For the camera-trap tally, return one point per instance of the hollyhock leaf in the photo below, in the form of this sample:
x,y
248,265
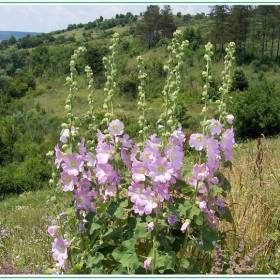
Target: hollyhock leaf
x,y
94,226
216,189
199,220
165,261
227,215
126,255
102,207
209,236
185,207
141,230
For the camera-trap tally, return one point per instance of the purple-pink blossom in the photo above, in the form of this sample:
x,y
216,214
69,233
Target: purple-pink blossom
x,y
104,152
151,226
172,219
115,128
147,263
52,230
68,181
161,170
215,127
230,118
185,226
148,201
73,164
59,249
197,141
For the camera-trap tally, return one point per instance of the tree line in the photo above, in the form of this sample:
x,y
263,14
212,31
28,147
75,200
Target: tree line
x,y
254,29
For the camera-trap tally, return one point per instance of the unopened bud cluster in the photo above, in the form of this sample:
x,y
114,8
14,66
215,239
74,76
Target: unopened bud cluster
x,y
171,88
110,85
142,105
226,82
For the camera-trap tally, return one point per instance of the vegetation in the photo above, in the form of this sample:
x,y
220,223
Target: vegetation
x,y
33,70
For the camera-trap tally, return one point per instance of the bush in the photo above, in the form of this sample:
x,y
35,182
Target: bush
x,y
256,111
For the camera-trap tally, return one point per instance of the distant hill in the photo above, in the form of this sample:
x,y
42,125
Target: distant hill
x,y
5,35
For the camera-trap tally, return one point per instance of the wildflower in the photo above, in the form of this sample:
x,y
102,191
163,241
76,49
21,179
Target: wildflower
x,y
161,191
230,118
161,170
82,199
172,219
197,141
135,190
82,148
201,171
185,226
115,128
126,142
104,152
73,164
203,206
139,171
65,134
151,226
106,173
52,230
81,228
227,139
110,190
215,127
68,181
178,134
90,158
147,200
147,263
58,156
59,249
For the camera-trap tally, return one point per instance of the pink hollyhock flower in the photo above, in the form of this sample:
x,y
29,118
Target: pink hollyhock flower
x,y
212,148
147,200
126,142
175,156
82,148
110,190
115,128
161,190
161,170
151,226
85,184
230,118
178,134
59,249
58,156
201,171
227,139
172,219
197,141
90,158
215,127
194,183
148,156
147,263
138,209
185,226
139,171
82,199
73,164
66,133
203,207
100,136
125,158
104,153
135,190
68,181
105,173
52,230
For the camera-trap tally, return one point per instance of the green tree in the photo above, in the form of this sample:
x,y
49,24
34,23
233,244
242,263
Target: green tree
x,y
150,28
167,24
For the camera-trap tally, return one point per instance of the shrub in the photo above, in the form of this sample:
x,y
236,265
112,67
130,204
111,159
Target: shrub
x,y
256,111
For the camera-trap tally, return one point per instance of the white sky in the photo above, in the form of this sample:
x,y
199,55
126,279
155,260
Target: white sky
x,y
51,17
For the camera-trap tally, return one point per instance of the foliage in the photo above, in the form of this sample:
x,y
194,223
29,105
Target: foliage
x,y
257,111
239,81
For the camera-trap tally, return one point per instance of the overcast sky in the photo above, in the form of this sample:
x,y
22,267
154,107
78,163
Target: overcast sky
x,y
52,17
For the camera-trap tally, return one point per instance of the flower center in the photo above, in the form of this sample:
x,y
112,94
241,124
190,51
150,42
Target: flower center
x,y
161,169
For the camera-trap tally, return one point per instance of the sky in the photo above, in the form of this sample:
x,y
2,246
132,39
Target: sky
x,y
51,17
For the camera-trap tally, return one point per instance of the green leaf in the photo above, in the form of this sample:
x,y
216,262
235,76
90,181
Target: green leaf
x,y
94,226
117,208
126,255
165,261
94,263
227,215
141,230
209,237
103,207
216,189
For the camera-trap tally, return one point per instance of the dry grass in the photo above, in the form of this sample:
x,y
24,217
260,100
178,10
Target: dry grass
x,y
255,192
